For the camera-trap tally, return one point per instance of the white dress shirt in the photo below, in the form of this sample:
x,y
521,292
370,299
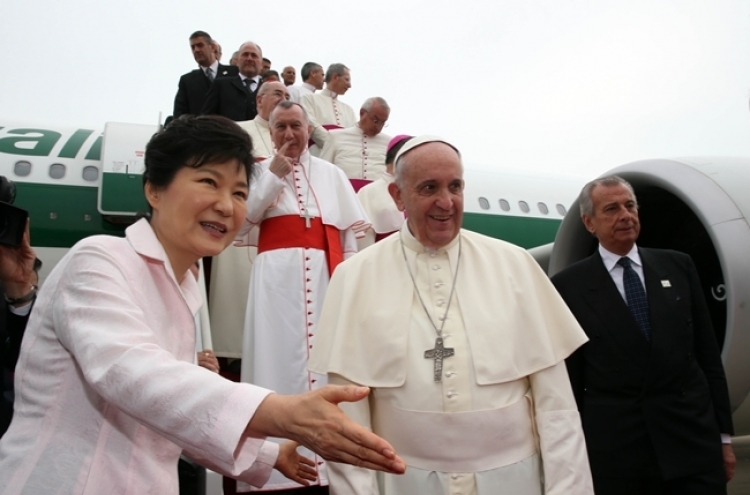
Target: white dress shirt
x,y
610,260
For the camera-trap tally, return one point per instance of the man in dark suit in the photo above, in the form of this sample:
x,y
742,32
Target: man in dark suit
x,y
234,97
649,384
194,86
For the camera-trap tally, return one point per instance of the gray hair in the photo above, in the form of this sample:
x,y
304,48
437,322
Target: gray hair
x,y
265,87
286,105
337,69
369,102
586,204
308,68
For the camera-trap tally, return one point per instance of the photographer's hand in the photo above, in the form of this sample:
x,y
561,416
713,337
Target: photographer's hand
x,y
17,267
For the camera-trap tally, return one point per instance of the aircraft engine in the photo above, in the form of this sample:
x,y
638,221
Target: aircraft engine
x,y
700,207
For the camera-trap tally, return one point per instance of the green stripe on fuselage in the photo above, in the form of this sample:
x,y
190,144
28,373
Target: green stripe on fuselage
x,y
62,215
527,232
123,193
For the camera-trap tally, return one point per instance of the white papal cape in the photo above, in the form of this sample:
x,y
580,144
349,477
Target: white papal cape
x,y
503,418
360,156
325,109
287,285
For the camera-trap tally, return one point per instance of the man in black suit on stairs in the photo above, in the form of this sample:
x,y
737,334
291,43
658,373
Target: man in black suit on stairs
x,y
649,384
234,97
193,86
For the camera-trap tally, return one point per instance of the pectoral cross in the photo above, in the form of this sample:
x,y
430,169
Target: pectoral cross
x,y
438,354
308,217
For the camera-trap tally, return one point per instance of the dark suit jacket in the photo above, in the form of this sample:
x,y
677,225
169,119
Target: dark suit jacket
x,y
666,399
193,88
229,98
11,332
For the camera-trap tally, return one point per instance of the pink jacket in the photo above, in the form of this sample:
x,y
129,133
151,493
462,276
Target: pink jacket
x,y
107,392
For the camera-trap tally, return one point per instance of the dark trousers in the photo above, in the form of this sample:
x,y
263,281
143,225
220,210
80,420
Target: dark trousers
x,y
709,483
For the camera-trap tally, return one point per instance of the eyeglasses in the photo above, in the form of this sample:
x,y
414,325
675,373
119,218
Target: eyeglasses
x,y
377,121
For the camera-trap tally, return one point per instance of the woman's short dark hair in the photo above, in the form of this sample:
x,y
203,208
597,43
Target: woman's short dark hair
x,y
191,141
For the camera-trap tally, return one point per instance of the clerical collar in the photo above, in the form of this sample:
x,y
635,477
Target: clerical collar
x,y
261,120
328,92
303,158
363,132
610,259
309,86
413,244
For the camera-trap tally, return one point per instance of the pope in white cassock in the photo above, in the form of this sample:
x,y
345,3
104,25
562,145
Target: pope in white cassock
x,y
304,217
360,150
230,270
462,339
324,108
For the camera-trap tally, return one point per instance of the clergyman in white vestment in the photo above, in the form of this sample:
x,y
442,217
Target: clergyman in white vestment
x,y
462,339
269,95
360,150
304,217
313,77
324,108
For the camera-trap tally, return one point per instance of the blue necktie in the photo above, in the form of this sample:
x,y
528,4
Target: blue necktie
x,y
635,295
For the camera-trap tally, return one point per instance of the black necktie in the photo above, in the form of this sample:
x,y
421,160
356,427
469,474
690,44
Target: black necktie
x,y
635,295
248,82
210,74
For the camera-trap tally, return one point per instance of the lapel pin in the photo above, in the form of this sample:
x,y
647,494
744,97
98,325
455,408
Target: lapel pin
x,y
666,284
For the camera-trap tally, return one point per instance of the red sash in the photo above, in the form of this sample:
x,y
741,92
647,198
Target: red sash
x,y
289,231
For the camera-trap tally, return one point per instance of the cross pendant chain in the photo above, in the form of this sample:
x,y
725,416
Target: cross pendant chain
x,y
438,353
305,209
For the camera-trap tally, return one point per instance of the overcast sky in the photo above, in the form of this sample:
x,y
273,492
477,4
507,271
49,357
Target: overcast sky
x,y
570,86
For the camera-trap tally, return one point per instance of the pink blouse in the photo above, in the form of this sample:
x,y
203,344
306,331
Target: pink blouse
x,y
107,392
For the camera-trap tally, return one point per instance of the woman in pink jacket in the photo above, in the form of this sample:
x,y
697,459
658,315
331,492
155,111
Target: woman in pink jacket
x,y
107,391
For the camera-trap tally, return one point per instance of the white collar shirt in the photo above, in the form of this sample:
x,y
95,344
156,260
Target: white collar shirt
x,y
615,271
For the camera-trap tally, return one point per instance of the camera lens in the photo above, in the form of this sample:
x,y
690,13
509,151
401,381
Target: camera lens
x,y
7,190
